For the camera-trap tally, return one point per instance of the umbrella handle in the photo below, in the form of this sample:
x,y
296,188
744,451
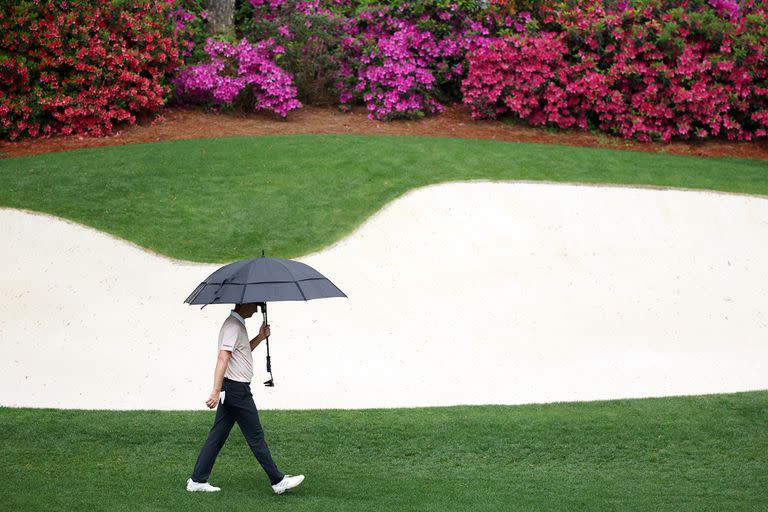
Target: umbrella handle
x,y
271,382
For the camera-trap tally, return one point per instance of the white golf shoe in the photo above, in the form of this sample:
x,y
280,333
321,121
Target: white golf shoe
x,y
288,482
202,487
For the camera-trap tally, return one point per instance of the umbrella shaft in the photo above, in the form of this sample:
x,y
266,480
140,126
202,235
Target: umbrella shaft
x,y
269,359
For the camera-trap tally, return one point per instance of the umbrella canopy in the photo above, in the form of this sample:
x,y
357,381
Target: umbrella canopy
x,y
263,280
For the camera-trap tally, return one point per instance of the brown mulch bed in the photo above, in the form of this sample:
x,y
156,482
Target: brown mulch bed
x,y
190,123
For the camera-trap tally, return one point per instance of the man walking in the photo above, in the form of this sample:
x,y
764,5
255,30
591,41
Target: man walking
x,y
232,393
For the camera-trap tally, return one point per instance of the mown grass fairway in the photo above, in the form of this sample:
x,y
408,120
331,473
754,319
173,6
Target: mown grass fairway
x,y
687,453
218,200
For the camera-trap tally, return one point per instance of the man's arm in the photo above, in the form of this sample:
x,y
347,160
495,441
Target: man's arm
x,y
263,334
218,377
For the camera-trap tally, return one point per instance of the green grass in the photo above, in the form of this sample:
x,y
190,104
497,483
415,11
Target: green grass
x,y
218,200
684,453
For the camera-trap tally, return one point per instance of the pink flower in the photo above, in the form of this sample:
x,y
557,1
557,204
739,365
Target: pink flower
x,y
272,87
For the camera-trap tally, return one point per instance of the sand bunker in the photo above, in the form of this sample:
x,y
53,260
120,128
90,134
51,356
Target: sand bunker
x,y
459,293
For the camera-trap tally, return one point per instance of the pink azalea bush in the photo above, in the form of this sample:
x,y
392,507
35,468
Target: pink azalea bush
x,y
527,75
235,68
728,8
393,72
402,61
647,72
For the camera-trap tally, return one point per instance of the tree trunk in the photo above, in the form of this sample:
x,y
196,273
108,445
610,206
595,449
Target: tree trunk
x,y
221,15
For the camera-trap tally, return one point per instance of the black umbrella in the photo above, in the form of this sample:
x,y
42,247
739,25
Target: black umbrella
x,y
261,280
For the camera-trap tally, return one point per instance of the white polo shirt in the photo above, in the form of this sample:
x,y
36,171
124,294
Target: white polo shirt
x,y
233,337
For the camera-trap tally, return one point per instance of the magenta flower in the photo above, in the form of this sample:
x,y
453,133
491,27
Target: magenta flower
x,y
272,87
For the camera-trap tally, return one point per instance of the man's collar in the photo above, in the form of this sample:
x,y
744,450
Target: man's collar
x,y
237,315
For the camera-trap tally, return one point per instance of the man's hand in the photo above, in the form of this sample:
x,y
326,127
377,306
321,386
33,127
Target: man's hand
x,y
264,332
213,399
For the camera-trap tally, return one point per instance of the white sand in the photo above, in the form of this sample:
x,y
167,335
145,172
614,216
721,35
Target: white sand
x,y
460,293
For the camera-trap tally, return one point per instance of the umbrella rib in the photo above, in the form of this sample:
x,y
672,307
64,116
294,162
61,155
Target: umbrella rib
x,y
300,290
286,268
194,293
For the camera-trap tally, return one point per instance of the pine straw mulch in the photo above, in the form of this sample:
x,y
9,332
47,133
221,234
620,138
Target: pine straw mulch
x,y
191,123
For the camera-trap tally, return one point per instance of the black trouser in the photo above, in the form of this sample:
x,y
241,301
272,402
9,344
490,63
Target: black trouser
x,y
238,407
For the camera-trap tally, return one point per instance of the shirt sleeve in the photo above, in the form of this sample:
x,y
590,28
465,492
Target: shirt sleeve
x,y
228,337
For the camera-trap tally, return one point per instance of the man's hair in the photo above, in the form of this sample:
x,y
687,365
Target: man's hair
x,y
246,304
